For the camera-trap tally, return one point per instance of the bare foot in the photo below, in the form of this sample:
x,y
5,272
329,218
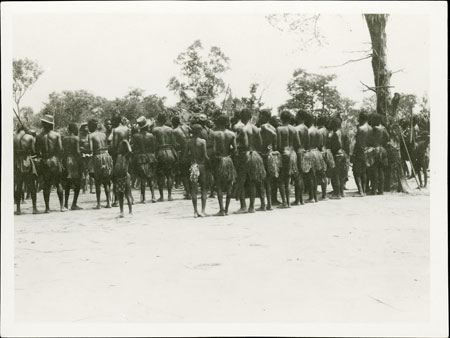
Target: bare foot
x,y
203,214
47,211
170,198
295,203
220,213
261,208
143,202
196,215
76,207
108,206
161,199
35,211
251,210
153,200
63,209
283,206
269,208
97,207
121,215
241,211
18,213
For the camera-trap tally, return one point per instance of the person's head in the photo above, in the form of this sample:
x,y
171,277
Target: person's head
x,y
285,117
264,116
108,125
73,129
335,124
375,120
275,121
161,118
175,121
322,121
301,116
21,128
210,124
48,122
84,128
196,130
363,117
92,125
222,122
202,120
246,115
115,120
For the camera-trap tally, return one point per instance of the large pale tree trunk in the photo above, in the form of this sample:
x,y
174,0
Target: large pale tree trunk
x,y
382,78
377,29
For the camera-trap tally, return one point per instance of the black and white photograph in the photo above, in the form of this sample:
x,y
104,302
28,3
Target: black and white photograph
x,y
224,168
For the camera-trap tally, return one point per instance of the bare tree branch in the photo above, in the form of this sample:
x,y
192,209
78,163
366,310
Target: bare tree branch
x,y
349,61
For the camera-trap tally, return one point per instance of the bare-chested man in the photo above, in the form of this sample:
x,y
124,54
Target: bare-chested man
x,y
86,158
73,166
102,163
182,134
144,157
196,152
359,153
322,126
207,136
302,131
49,147
335,145
270,155
25,171
121,175
224,144
314,164
165,155
119,133
287,142
275,122
250,166
379,139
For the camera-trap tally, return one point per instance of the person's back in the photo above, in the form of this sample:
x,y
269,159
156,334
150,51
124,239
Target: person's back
x,y
71,145
315,138
120,133
219,143
163,136
362,137
323,131
181,136
303,134
284,138
268,137
23,143
98,142
48,143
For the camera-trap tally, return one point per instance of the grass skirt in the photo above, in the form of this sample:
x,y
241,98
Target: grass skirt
x,y
289,163
102,166
145,165
73,167
225,171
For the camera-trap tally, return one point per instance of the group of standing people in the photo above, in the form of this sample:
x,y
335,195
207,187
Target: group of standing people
x,y
234,158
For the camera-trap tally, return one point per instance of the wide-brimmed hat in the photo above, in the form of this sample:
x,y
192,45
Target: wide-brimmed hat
x,y
48,119
142,122
202,117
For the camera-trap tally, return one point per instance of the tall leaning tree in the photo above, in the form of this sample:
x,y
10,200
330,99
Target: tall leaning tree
x,y
382,76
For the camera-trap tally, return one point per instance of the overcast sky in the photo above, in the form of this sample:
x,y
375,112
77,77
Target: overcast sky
x,y
107,54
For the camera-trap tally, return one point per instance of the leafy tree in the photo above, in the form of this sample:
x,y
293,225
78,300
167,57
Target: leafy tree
x,y
200,83
314,93
25,73
73,106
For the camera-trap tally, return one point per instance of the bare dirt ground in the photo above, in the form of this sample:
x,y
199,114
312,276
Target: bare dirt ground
x,y
356,259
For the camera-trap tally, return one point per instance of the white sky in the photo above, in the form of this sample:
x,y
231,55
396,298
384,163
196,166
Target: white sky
x,y
107,54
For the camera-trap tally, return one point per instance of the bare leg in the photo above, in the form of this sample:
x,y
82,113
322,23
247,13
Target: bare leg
x,y
229,195
76,193
169,186
32,185
59,192
129,201
46,192
204,191
268,187
161,187
18,195
120,196
194,198
380,180
251,207
220,199
67,193
106,186
98,191
263,196
143,181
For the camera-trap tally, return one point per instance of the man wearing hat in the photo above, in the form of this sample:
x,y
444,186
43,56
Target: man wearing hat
x,y
49,147
24,166
144,156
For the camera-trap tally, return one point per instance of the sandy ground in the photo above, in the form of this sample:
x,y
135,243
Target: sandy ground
x,y
356,259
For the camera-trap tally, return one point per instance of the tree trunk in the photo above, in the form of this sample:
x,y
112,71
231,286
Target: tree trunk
x,y
377,29
382,76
